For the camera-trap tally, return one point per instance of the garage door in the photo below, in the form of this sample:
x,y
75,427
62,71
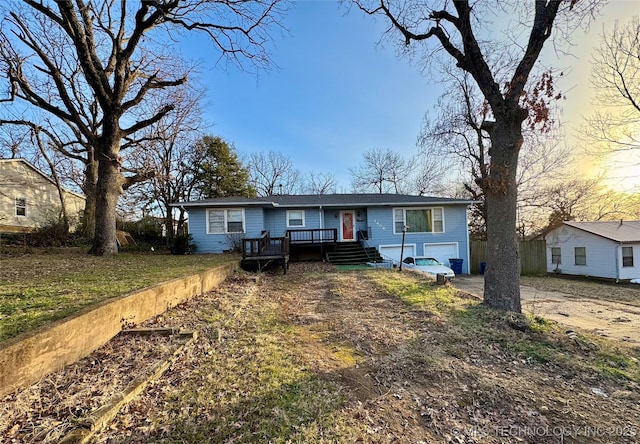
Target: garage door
x,y
393,251
442,252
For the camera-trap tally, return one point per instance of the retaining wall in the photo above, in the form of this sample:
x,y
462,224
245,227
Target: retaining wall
x,y
24,360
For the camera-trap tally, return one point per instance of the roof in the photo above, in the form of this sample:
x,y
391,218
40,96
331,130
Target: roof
x,y
325,200
37,170
627,231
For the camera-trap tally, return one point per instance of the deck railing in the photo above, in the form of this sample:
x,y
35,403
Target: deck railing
x,y
265,245
313,236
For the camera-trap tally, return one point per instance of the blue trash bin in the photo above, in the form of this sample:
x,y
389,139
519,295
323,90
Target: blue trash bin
x,y
456,265
483,267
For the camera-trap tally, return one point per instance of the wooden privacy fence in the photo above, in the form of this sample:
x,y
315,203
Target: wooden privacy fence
x,y
533,256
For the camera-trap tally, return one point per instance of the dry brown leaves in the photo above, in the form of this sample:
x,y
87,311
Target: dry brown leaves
x,y
408,377
48,410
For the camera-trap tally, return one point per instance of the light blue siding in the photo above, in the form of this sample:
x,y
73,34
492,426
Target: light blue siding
x,y
219,243
455,231
276,220
332,219
379,221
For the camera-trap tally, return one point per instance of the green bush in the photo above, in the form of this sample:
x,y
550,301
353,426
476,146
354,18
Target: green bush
x,y
183,244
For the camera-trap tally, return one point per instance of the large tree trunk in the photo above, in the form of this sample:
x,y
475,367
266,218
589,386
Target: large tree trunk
x,y
168,221
89,188
180,225
108,190
502,278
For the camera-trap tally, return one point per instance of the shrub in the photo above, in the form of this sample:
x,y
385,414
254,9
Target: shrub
x,y
183,244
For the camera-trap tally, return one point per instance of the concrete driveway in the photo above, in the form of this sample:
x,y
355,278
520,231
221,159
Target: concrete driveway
x,y
610,319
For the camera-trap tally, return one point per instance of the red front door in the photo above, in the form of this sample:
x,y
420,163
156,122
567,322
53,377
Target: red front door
x,y
347,230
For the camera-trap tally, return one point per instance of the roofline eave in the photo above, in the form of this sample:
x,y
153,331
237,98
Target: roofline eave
x,y
320,205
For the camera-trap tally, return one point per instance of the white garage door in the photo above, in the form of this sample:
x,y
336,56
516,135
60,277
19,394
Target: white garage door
x,y
442,252
393,251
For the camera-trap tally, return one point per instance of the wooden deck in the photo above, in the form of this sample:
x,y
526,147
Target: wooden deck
x,y
314,236
265,250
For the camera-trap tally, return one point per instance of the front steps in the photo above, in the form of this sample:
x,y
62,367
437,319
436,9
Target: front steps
x,y
352,253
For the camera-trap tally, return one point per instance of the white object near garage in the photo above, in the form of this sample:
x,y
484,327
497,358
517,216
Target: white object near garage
x,y
442,251
430,266
393,251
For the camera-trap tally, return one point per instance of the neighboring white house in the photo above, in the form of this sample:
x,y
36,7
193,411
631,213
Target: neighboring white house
x,y
29,198
607,249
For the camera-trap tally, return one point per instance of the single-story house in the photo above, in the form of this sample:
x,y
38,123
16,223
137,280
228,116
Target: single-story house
x,y
29,198
606,249
435,226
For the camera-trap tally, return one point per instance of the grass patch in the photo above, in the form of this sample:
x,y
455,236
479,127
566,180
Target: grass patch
x,y
618,362
38,289
320,355
530,339
422,293
255,387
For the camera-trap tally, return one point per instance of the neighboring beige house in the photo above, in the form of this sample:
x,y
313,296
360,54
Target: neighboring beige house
x,y
29,198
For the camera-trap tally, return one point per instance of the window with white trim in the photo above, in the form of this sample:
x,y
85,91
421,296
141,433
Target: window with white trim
x,y
418,220
627,256
223,221
295,218
581,255
21,206
556,255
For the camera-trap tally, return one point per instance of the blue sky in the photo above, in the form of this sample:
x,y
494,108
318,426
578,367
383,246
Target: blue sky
x,y
337,93
334,96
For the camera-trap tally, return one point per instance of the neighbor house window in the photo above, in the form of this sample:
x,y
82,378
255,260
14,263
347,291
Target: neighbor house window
x,y
419,220
581,255
225,221
295,218
627,256
21,206
556,256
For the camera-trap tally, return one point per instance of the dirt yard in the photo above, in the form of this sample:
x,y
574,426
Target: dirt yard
x,y
371,356
604,309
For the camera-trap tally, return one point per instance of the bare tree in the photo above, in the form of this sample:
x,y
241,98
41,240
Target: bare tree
x,y
381,171
39,146
455,137
170,150
113,44
12,139
503,76
69,142
273,173
428,176
320,183
585,199
615,77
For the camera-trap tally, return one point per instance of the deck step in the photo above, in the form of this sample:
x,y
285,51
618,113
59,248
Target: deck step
x,y
351,253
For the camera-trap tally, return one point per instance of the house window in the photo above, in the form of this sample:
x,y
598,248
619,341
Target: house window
x,y
21,206
225,221
556,256
581,255
418,220
295,218
627,256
